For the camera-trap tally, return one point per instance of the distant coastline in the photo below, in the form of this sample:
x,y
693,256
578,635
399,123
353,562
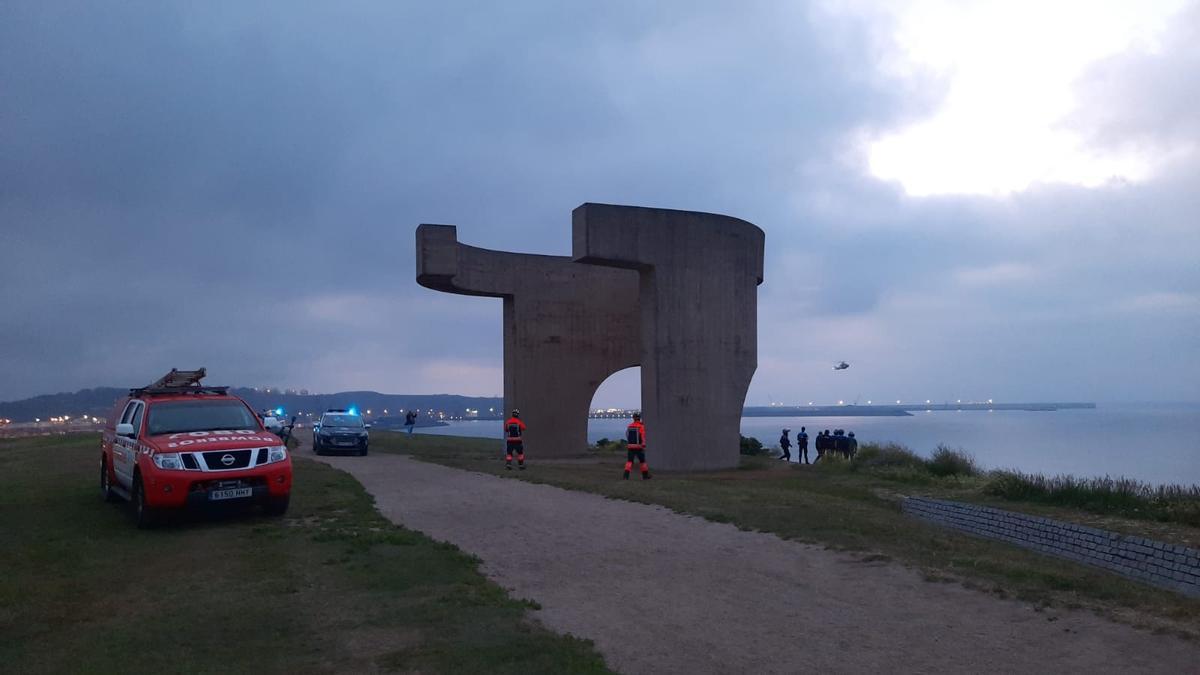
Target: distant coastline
x,y
901,410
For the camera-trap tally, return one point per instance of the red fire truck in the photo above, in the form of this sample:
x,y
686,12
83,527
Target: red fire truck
x,y
177,444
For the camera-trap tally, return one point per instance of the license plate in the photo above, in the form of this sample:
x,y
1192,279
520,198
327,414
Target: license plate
x,y
346,442
235,493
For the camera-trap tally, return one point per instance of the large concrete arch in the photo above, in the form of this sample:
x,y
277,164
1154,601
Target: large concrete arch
x,y
567,327
698,275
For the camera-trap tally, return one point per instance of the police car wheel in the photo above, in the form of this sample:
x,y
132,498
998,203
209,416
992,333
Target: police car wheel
x,y
363,451
316,447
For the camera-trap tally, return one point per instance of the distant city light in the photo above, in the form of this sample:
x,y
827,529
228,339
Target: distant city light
x,y
839,403
989,400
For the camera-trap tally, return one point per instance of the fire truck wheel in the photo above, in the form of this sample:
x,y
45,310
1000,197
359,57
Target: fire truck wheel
x,y
145,516
106,490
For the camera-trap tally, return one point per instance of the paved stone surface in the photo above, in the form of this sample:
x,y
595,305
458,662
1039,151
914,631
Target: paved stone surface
x,y
664,593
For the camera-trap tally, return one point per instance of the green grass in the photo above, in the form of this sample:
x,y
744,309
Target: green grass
x,y
853,507
331,587
1122,496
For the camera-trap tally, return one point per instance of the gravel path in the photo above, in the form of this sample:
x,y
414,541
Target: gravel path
x,y
664,593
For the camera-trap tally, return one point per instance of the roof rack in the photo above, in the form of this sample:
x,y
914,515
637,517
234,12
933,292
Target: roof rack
x,y
178,382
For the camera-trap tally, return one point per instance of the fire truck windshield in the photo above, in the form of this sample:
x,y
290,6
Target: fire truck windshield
x,y
172,417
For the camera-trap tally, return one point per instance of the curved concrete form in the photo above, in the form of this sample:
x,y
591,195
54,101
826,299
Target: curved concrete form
x,y
698,276
567,327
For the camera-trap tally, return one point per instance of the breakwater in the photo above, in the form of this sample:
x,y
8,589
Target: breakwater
x,y
900,410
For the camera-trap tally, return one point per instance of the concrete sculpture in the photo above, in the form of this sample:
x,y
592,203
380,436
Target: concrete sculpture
x,y
672,291
567,327
698,291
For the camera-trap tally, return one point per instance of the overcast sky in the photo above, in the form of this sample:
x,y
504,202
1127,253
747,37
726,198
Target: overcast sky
x,y
962,199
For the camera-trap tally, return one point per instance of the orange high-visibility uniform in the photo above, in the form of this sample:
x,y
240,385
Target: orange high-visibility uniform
x,y
513,441
638,441
635,437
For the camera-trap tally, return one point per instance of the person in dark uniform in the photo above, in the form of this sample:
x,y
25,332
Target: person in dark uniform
x,y
514,441
802,446
635,439
786,444
840,443
821,445
410,421
851,445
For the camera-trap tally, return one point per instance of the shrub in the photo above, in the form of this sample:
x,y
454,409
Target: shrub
x,y
871,455
1123,496
751,446
602,442
832,461
949,462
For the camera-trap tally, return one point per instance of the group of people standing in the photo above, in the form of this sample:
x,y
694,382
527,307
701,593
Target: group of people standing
x,y
635,440
839,441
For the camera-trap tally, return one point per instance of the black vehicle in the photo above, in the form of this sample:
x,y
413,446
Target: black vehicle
x,y
341,430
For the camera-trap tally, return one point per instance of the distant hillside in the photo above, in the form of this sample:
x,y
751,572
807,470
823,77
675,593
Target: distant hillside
x,y
99,402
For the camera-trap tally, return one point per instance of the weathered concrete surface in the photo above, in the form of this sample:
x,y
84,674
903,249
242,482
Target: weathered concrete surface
x,y
567,327
698,277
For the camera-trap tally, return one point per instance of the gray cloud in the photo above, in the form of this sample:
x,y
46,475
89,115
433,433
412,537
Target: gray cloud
x,y
237,187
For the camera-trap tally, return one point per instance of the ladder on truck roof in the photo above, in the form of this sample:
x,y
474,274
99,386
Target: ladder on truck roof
x,y
178,382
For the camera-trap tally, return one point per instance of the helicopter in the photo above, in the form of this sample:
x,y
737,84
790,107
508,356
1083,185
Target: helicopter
x,y
841,366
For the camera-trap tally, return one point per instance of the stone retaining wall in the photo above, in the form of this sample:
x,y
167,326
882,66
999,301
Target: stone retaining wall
x,y
1165,565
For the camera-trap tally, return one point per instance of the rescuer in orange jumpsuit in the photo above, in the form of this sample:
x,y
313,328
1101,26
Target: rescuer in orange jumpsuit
x,y
635,437
514,429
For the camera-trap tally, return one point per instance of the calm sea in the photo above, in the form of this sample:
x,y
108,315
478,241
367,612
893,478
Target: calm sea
x,y
1158,443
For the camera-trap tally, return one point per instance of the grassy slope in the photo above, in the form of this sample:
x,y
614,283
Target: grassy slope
x,y
851,511
331,587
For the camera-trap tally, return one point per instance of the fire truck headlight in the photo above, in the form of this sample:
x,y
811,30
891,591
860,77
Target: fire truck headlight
x,y
171,461
277,454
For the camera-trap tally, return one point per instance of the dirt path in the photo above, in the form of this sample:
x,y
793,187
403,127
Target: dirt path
x,y
664,593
